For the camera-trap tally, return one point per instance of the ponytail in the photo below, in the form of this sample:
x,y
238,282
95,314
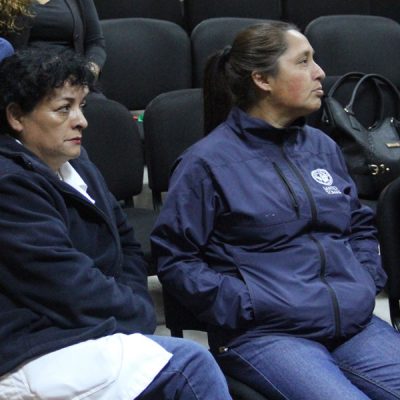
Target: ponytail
x,y
218,98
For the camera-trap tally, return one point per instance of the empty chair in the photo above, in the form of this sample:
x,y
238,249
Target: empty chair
x,y
113,143
301,12
196,11
388,221
170,10
145,57
172,122
212,35
365,43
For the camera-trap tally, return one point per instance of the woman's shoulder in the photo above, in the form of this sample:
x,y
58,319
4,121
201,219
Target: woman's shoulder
x,y
216,145
317,137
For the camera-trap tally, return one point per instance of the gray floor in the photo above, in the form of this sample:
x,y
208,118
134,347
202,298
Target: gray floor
x,y
144,200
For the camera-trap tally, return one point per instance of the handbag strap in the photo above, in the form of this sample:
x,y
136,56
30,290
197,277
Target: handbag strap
x,y
342,79
375,78
349,108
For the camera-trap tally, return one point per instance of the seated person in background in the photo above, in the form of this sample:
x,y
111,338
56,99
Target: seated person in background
x,y
61,24
6,48
263,237
75,313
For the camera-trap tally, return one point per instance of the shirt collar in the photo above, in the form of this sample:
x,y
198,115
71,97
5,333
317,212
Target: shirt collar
x,y
68,174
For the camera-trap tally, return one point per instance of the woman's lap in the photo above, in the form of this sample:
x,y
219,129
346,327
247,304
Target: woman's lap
x,y
286,367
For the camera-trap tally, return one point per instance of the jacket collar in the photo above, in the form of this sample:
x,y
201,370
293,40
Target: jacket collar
x,y
11,149
257,130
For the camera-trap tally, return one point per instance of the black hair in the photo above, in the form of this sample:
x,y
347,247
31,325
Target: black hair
x,y
228,72
28,76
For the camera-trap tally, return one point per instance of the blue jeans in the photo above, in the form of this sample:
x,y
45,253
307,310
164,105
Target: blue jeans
x,y
367,366
191,374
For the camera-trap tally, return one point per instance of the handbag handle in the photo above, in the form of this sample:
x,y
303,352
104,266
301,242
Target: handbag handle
x,y
345,77
349,108
374,78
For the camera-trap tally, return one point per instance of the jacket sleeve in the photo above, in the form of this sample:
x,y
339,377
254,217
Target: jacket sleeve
x,y
363,237
95,47
45,273
179,242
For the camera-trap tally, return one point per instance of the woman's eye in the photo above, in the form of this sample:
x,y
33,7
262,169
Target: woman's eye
x,y
64,108
82,105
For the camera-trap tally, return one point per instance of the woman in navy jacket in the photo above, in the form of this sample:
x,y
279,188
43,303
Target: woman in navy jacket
x,y
263,237
75,315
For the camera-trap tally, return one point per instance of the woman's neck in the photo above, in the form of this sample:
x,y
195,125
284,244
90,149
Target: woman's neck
x,y
268,114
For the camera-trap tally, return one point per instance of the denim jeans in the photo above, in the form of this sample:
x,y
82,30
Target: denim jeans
x,y
191,374
367,366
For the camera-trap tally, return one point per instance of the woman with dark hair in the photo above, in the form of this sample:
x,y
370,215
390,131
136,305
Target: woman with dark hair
x,y
262,235
76,319
60,24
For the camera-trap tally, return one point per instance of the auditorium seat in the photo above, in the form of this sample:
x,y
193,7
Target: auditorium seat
x,y
172,122
169,10
145,57
196,11
302,12
211,35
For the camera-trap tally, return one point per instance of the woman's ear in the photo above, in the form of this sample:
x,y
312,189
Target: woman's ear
x,y
261,81
14,117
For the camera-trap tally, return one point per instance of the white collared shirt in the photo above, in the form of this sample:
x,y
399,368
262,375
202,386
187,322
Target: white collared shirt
x,y
68,174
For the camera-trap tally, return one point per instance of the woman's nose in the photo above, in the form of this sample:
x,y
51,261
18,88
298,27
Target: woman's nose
x,y
80,119
319,72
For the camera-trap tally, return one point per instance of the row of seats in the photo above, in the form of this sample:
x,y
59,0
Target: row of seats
x,y
189,13
147,57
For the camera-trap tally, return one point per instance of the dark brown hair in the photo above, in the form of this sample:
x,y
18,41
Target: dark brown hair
x,y
227,77
10,11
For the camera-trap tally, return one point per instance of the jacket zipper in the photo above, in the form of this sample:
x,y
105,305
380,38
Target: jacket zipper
x,y
289,188
318,244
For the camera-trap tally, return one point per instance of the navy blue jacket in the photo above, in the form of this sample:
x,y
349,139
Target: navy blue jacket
x,y
262,231
69,270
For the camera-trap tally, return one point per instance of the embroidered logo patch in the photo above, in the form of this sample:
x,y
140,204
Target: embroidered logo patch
x,y
323,177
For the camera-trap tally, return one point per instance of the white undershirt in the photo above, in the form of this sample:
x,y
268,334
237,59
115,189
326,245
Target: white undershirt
x,y
68,174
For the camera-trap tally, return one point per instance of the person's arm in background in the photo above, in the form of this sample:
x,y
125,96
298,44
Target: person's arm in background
x,y
94,43
179,241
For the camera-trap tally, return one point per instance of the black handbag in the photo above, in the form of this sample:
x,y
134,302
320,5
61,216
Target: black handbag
x,y
372,154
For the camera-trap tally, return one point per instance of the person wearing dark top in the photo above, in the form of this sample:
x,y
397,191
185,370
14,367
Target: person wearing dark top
x,y
63,24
